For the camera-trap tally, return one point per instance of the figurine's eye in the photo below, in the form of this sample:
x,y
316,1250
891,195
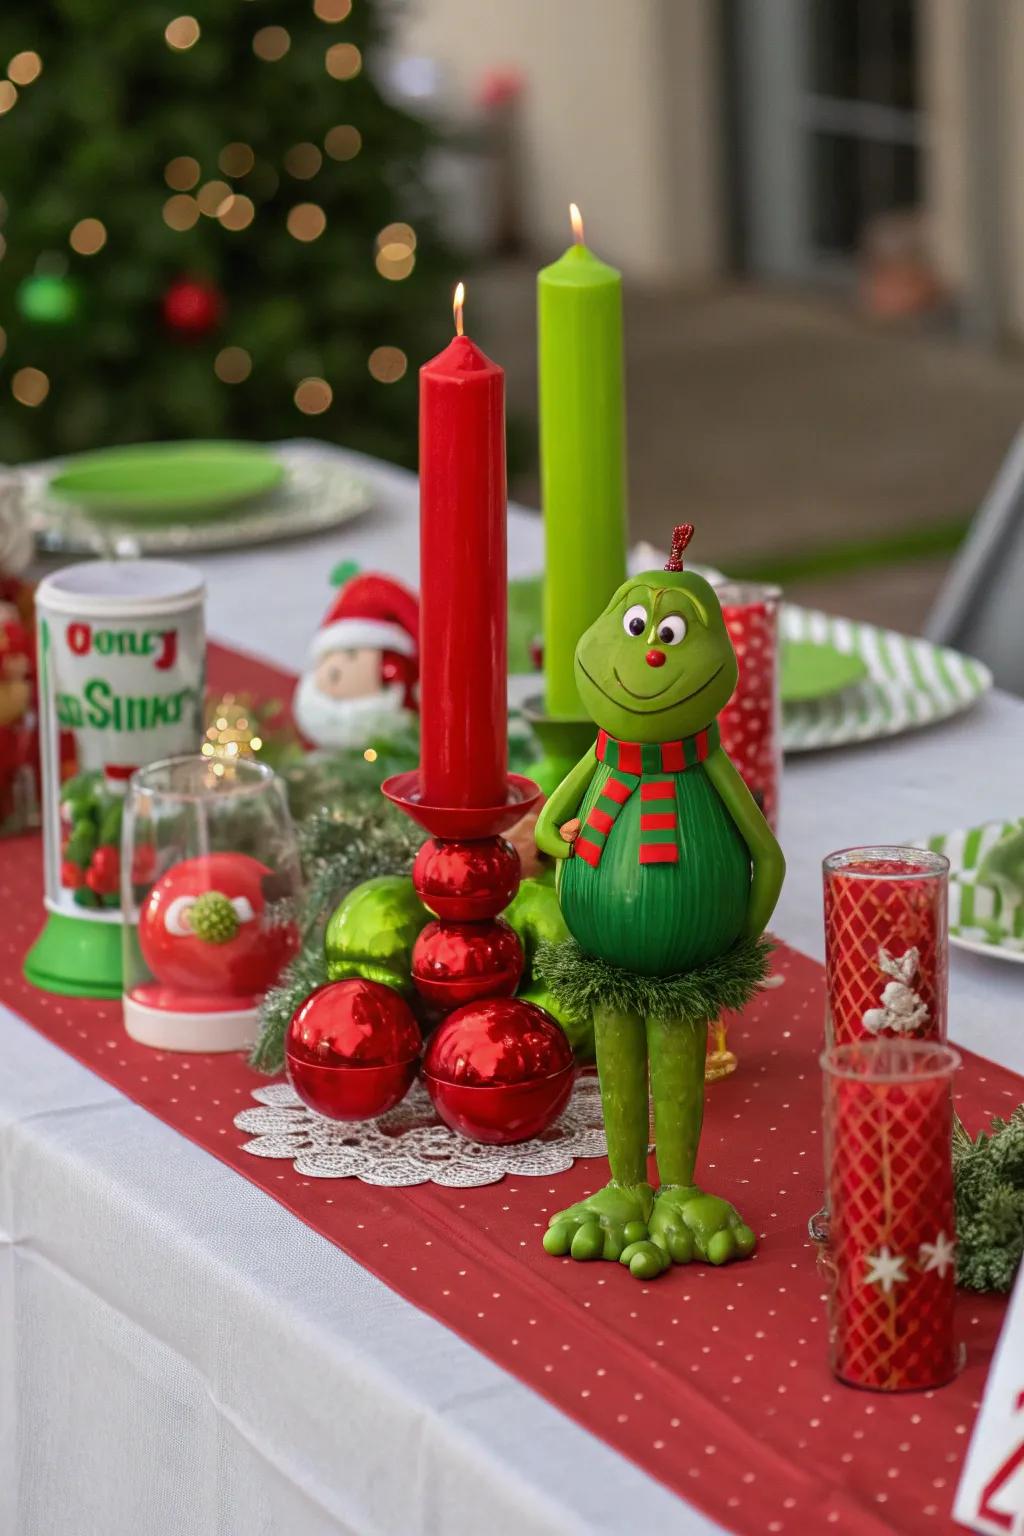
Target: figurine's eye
x,y
671,629
634,620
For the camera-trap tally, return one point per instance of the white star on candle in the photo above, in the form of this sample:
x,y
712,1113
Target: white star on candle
x,y
937,1255
885,1269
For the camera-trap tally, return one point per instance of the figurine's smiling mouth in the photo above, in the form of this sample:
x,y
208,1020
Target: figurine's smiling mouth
x,y
645,696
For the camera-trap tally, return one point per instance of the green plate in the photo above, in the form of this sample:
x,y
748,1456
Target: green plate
x,y
981,918
814,671
155,481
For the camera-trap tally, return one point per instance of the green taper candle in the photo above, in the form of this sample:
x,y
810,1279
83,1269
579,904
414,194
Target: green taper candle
x,y
582,451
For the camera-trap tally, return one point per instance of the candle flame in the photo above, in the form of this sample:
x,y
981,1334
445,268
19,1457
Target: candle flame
x,y
576,220
457,303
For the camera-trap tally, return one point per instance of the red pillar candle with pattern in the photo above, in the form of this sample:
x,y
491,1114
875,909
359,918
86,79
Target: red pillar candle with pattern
x,y
888,1148
751,722
463,578
886,944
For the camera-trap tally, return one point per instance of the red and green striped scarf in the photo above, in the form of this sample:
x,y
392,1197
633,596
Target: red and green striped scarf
x,y
652,767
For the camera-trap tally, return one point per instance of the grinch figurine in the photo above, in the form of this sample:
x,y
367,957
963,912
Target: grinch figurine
x,y
668,875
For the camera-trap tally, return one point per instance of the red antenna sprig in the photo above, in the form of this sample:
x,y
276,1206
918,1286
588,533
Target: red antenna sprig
x,y
681,536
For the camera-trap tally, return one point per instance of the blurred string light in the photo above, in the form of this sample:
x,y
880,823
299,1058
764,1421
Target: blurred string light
x,y
396,247
313,396
182,33
88,236
24,68
181,211
306,221
236,212
332,10
182,173
343,61
387,364
303,161
30,386
212,196
236,159
8,96
271,44
370,754
232,365
343,142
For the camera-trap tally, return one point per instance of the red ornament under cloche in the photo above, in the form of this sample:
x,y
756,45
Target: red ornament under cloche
x,y
466,881
192,307
499,1071
352,1049
456,963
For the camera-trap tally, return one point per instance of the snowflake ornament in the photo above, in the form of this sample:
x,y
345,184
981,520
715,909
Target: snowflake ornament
x,y
885,1269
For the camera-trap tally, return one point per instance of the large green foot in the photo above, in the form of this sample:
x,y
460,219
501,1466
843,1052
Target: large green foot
x,y
687,1224
609,1225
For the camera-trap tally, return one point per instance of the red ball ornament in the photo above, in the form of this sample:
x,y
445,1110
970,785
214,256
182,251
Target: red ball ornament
x,y
499,1071
466,881
352,1049
227,966
192,307
455,963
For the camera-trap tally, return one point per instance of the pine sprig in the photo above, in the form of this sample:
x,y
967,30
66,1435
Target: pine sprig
x,y
989,1176
340,848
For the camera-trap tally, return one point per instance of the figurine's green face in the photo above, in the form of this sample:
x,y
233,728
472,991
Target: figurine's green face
x,y
658,664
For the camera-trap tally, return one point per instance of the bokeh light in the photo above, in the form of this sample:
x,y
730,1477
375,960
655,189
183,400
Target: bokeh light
x,y
332,10
212,196
88,236
236,159
271,44
343,142
303,161
181,211
181,173
395,262
3,341
25,67
397,234
232,365
182,33
30,386
387,364
343,61
313,396
8,96
237,212
306,221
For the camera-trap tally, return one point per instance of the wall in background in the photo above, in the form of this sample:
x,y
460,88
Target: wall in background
x,y
619,115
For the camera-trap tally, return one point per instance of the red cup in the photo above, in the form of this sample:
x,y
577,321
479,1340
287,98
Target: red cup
x,y
751,722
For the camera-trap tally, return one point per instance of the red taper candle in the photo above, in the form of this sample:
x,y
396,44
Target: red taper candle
x,y
463,577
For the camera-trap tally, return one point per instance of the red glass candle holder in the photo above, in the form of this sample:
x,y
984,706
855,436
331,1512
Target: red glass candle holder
x,y
889,1170
751,722
886,944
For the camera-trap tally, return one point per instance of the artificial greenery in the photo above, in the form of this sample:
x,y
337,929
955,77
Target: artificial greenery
x,y
989,1173
340,848
91,134
580,983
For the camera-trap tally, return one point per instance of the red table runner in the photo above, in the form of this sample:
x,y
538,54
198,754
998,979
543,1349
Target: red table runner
x,y
713,1381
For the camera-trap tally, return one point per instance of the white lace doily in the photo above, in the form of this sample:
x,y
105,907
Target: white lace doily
x,y
409,1145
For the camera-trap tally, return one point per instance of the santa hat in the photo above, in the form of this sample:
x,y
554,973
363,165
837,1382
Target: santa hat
x,y
371,611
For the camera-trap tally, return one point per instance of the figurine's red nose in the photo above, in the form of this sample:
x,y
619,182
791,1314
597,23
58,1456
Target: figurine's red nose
x,y
655,658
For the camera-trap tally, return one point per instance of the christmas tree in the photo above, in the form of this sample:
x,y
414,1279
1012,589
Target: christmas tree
x,y
214,225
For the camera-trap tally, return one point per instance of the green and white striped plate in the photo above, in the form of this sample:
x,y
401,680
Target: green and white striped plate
x,y
980,918
910,683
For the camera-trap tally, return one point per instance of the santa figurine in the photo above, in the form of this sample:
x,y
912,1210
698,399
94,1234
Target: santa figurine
x,y
361,682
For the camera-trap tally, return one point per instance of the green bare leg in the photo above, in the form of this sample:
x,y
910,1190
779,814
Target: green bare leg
x,y
612,1224
686,1222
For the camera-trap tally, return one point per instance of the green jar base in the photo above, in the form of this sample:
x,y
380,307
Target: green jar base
x,y
76,957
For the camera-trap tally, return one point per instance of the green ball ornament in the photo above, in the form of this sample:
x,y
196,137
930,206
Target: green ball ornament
x,y
535,915
213,918
47,299
372,932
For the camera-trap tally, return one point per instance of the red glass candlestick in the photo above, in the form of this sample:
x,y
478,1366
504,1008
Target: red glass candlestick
x,y
886,944
888,1129
751,722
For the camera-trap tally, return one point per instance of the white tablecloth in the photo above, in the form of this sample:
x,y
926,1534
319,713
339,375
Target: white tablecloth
x,y
180,1357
